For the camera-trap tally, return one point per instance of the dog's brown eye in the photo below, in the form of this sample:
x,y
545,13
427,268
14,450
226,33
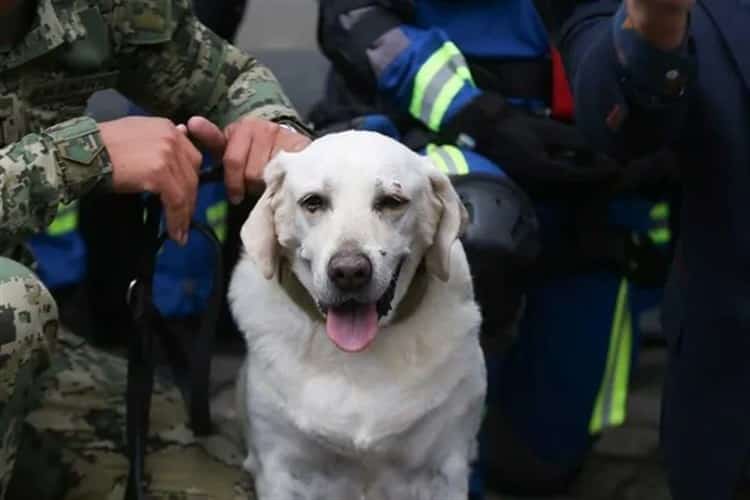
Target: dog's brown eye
x,y
313,202
390,202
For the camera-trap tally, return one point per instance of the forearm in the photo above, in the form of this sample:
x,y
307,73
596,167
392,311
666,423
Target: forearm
x,y
662,24
198,73
430,80
43,170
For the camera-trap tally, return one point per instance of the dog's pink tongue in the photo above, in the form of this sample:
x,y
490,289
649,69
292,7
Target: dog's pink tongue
x,y
352,328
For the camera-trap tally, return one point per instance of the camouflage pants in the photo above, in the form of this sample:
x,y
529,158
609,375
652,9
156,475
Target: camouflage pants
x,y
63,428
28,329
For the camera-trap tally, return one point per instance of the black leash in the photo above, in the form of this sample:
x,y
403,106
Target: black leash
x,y
190,366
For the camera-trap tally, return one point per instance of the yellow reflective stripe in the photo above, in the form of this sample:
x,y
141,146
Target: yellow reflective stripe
x,y
437,159
217,212
443,101
610,407
66,220
221,232
463,72
660,235
660,211
426,73
437,82
618,409
216,215
461,167
449,159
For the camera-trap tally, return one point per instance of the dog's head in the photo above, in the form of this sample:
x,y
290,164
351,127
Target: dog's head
x,y
355,214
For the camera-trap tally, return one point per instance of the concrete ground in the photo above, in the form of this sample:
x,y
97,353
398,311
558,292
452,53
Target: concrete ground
x,y
625,463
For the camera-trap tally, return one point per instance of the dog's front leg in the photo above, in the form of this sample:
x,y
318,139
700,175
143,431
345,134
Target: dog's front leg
x,y
447,480
278,485
274,483
291,469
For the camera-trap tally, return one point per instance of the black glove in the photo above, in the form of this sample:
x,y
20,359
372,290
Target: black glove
x,y
628,253
642,262
546,157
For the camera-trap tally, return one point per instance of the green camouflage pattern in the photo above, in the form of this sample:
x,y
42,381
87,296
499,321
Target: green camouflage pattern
x,y
28,333
74,442
195,72
41,171
79,150
155,52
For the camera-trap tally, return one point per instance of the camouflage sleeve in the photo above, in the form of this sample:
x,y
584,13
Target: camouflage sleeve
x,y
174,66
42,170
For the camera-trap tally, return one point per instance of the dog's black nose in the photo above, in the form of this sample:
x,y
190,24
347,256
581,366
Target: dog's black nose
x,y
349,271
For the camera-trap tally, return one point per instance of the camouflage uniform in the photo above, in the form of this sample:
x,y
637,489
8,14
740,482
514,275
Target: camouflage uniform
x,y
156,53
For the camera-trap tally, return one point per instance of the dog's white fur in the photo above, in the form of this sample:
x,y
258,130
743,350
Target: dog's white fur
x,y
399,420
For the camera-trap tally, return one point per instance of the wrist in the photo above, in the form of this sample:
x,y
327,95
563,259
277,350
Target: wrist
x,y
474,124
664,26
295,126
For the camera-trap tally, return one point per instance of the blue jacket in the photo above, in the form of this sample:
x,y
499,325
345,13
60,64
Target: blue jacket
x,y
697,101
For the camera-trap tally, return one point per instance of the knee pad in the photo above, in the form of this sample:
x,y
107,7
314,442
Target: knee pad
x,y
28,313
501,241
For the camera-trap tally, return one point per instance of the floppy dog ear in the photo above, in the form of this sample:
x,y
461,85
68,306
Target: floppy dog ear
x,y
258,233
451,224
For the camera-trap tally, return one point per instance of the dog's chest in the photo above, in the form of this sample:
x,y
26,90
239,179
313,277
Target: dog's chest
x,y
351,422
368,414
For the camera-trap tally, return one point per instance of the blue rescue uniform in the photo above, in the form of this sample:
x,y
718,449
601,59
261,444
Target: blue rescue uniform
x,y
410,65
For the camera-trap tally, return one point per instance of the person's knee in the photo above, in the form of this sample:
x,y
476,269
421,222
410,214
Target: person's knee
x,y
501,242
28,314
28,330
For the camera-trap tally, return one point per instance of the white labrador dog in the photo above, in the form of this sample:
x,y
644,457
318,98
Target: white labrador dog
x,y
364,378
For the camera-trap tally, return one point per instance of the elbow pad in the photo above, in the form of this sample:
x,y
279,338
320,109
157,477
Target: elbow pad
x,y
347,29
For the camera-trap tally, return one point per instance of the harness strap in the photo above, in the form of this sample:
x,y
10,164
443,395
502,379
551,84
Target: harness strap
x,y
190,366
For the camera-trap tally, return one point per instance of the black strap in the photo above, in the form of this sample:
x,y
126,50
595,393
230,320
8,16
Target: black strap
x,y
190,366
521,79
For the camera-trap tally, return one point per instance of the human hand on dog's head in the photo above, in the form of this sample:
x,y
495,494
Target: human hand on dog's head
x,y
245,147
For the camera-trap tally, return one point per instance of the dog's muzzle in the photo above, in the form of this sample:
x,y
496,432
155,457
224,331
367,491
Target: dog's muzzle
x,y
353,324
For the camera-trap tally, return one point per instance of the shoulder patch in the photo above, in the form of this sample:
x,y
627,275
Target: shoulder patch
x,y
144,22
